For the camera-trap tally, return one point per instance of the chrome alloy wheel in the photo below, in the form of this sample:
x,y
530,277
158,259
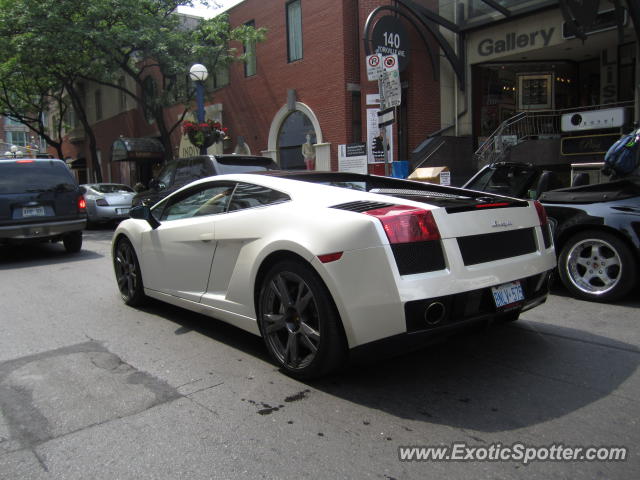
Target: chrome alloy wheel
x,y
594,266
127,272
291,324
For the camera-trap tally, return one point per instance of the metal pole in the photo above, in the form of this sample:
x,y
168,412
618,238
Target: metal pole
x,y
200,108
383,131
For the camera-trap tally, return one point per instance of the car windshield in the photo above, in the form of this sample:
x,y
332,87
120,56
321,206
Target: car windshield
x,y
35,176
510,180
112,188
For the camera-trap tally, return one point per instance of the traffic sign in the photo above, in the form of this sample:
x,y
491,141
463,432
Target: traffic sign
x,y
390,88
374,66
390,63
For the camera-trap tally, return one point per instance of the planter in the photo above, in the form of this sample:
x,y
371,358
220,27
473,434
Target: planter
x,y
204,137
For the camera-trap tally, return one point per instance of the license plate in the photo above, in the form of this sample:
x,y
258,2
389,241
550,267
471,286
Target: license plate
x,y
122,211
33,211
507,293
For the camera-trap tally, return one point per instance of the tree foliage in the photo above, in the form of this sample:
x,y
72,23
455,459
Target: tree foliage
x,y
49,46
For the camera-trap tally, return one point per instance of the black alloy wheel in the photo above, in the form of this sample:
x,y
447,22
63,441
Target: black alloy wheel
x,y
128,274
299,321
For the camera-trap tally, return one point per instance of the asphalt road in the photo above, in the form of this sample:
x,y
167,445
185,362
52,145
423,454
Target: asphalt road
x,y
92,389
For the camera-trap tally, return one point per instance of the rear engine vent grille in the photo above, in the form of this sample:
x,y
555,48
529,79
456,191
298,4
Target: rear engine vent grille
x,y
418,257
496,246
361,206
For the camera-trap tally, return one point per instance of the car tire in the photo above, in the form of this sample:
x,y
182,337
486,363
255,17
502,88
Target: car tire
x,y
128,274
72,241
597,266
299,321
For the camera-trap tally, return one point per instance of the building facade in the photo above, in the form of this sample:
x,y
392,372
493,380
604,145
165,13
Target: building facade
x,y
466,67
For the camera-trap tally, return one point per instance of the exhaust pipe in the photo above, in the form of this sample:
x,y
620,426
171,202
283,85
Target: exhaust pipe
x,y
435,313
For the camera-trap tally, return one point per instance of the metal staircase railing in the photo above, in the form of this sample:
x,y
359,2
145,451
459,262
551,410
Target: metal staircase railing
x,y
524,126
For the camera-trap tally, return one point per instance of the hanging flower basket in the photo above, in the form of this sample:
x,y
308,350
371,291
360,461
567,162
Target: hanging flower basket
x,y
203,135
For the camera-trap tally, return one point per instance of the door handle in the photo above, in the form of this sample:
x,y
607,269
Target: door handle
x,y
206,237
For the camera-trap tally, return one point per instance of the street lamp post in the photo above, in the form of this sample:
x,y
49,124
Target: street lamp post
x,y
198,73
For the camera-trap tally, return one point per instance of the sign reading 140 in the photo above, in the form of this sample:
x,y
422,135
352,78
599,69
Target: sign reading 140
x,y
389,37
392,39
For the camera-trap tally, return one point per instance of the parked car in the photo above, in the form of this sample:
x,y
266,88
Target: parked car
x,y
596,227
40,201
107,202
319,262
179,172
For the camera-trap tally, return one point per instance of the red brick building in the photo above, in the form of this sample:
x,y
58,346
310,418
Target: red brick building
x,y
311,81
467,68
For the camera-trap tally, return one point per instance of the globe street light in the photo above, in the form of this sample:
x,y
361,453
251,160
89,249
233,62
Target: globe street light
x,y
198,73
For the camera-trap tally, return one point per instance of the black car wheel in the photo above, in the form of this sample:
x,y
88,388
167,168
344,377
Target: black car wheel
x,y
72,241
299,321
597,266
128,274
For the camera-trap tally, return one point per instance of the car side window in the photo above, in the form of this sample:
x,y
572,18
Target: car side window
x,y
247,195
204,200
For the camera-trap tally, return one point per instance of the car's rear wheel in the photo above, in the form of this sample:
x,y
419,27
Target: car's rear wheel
x,y
597,266
72,241
128,274
299,321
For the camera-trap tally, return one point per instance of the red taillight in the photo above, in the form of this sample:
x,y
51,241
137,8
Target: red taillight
x,y
25,161
542,214
493,205
101,202
82,205
404,224
330,257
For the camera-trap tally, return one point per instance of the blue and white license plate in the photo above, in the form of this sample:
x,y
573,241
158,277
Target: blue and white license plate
x,y
33,211
507,293
122,211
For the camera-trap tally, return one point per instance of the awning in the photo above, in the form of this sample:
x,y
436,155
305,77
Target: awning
x,y
132,149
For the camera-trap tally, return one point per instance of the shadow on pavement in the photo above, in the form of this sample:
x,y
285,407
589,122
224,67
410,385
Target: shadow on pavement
x,y
501,378
38,254
504,378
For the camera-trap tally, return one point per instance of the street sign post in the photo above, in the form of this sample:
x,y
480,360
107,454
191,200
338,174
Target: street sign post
x,y
385,70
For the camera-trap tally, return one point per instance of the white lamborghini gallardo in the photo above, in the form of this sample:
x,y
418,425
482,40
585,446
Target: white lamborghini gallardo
x,y
320,263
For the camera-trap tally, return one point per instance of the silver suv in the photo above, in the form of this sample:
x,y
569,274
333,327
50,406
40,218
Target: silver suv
x,y
40,201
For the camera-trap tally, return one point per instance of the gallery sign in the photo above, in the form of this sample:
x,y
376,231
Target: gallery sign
x,y
513,41
389,37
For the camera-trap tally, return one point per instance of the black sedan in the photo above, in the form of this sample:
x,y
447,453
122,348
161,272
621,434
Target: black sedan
x,y
596,227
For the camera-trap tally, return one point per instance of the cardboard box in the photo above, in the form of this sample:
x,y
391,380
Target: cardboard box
x,y
440,175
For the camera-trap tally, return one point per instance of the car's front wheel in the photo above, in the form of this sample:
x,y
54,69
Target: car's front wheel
x,y
299,321
128,274
72,241
597,266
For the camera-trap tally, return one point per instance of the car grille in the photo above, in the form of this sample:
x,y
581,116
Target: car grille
x,y
488,247
418,257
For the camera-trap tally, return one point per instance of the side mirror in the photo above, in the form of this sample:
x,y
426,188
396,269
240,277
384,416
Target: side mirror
x,y
83,190
143,212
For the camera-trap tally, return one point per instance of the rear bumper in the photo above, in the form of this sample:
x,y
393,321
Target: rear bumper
x,y
462,311
41,230
98,213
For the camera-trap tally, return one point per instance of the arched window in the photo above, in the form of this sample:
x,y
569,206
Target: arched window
x,y
292,135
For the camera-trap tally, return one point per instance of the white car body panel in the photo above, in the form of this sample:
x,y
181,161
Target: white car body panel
x,y
365,283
